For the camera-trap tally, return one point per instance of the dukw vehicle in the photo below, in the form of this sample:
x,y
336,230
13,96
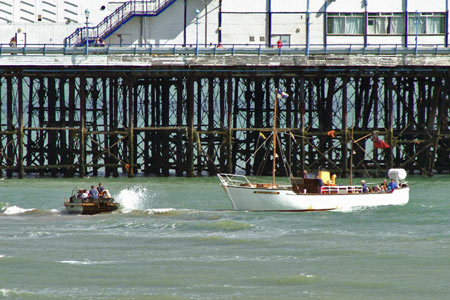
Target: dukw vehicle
x,y
80,204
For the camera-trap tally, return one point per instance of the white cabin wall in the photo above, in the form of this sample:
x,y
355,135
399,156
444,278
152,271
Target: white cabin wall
x,y
316,26
241,21
380,6
148,30
49,21
244,6
426,5
292,25
233,25
289,5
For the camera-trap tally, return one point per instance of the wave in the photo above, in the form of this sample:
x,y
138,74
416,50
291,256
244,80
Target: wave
x,y
293,279
215,226
85,262
351,209
16,210
14,294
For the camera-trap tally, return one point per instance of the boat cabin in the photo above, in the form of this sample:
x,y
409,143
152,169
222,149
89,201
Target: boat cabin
x,y
306,185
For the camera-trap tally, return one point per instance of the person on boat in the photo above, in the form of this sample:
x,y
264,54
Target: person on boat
x,y
93,193
106,194
330,183
305,174
392,185
84,194
100,189
383,186
364,186
320,180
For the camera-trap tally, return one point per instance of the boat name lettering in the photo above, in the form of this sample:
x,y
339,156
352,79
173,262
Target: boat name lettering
x,y
270,193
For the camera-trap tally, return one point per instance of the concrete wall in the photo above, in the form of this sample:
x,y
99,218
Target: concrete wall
x,y
49,21
243,22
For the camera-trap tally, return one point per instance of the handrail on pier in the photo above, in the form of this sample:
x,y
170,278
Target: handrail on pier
x,y
224,49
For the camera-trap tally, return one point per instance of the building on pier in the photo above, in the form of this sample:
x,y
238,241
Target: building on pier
x,y
232,22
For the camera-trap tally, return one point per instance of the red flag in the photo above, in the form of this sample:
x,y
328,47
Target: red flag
x,y
379,144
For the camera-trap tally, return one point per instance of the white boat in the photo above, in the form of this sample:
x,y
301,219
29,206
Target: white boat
x,y
305,194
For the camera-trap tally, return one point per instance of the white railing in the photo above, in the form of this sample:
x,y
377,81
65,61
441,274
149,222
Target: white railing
x,y
233,179
229,49
340,189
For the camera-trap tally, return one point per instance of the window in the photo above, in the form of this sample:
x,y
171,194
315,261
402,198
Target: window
x,y
427,23
379,23
385,23
345,23
252,38
284,38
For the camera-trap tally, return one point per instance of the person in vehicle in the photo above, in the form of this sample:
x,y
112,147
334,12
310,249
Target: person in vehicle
x,y
93,193
364,186
100,189
84,194
392,185
383,186
106,194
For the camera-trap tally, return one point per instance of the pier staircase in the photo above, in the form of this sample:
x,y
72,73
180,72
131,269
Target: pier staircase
x,y
114,21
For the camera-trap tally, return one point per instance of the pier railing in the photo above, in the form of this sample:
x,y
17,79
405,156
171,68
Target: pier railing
x,y
232,49
115,20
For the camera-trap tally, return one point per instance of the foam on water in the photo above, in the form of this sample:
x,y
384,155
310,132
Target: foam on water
x,y
15,210
84,262
160,211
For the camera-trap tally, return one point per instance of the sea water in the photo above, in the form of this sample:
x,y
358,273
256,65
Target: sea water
x,y
177,238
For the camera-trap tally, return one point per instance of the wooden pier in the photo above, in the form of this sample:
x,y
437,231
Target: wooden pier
x,y
200,119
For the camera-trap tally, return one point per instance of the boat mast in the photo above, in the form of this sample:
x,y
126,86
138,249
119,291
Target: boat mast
x,y
274,164
351,153
351,158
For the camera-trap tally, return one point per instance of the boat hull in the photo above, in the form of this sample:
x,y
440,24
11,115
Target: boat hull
x,y
90,208
262,199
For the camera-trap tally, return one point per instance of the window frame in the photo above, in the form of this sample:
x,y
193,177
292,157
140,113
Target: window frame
x,y
424,16
367,17
345,16
388,17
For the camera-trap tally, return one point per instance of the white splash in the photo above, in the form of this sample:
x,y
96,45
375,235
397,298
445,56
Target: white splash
x,y
15,210
132,199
